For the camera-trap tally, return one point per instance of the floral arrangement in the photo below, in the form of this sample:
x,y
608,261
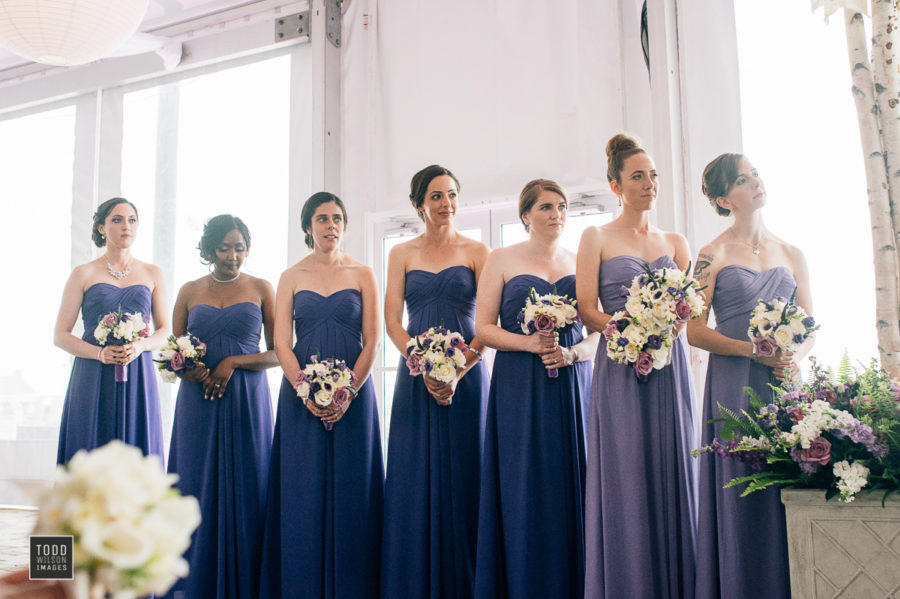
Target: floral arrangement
x,y
779,325
179,354
124,329
328,384
437,353
642,334
543,314
129,526
841,436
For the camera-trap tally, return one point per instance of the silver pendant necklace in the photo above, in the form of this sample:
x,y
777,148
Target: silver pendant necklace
x,y
218,280
118,274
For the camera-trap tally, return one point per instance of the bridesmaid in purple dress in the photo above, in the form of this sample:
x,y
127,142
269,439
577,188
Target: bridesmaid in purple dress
x,y
324,503
641,481
98,409
742,541
222,433
437,429
531,511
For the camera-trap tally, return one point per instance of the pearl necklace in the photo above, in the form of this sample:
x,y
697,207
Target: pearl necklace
x,y
118,274
231,280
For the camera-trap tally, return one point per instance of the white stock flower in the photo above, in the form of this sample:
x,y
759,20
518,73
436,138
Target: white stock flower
x,y
851,478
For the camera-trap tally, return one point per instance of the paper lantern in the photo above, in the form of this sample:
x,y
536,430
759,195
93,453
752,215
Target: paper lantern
x,y
67,32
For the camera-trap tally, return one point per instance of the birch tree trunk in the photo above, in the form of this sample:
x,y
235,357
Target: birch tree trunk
x,y
887,293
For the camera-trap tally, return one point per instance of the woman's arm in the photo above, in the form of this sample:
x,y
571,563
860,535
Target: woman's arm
x,y
487,310
160,307
394,289
371,326
69,307
587,280
199,372
584,350
283,334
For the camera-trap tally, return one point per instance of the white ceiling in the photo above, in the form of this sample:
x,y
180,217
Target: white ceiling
x,y
160,15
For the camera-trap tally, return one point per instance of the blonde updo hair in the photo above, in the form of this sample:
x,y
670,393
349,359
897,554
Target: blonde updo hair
x,y
532,191
719,177
619,149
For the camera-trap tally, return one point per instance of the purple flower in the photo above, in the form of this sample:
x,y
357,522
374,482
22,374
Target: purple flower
x,y
798,338
809,322
449,352
341,397
521,317
622,323
544,323
643,366
765,347
177,361
455,341
611,329
682,311
428,365
623,291
414,363
622,341
110,319
654,341
301,376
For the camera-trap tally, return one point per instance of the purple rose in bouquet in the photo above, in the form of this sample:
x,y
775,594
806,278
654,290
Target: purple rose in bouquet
x,y
414,363
765,347
819,452
544,324
177,361
682,311
643,366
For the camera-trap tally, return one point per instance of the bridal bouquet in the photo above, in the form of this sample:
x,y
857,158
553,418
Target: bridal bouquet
x,y
179,354
543,314
328,385
124,329
642,334
779,325
437,353
130,527
841,436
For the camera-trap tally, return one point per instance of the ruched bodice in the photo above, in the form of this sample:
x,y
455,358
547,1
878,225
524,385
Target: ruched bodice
x,y
328,325
515,293
102,298
738,288
618,272
443,298
229,331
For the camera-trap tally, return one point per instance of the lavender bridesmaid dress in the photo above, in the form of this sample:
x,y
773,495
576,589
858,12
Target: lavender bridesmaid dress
x,y
434,456
641,483
97,409
742,541
220,451
324,502
531,512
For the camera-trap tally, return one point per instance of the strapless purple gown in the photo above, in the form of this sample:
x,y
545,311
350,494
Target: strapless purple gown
x,y
434,456
220,451
642,481
325,497
97,409
531,513
742,541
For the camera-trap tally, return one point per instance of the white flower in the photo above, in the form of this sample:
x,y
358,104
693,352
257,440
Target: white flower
x,y
443,372
119,542
784,338
851,479
797,327
303,390
323,398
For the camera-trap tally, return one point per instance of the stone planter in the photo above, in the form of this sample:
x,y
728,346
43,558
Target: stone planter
x,y
842,549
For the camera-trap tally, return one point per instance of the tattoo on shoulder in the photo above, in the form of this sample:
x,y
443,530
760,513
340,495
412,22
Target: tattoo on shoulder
x,y
704,261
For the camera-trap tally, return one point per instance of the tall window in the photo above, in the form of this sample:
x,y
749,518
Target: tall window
x,y
799,128
36,154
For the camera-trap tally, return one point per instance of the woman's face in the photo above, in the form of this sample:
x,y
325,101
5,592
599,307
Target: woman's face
x,y
120,226
439,205
747,193
327,226
548,215
230,254
638,182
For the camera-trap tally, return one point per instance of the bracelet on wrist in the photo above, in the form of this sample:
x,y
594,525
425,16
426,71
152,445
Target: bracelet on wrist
x,y
353,392
99,353
477,353
574,353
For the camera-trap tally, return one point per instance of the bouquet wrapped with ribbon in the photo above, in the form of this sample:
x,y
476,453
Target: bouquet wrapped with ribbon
x,y
544,314
116,328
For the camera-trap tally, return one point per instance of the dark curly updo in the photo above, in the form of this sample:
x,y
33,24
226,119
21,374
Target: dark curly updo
x,y
418,186
103,211
619,149
215,230
309,208
718,178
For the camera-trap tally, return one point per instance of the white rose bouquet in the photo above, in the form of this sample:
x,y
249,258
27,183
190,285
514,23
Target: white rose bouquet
x,y
130,527
329,386
642,334
779,324
436,353
543,314
179,354
124,329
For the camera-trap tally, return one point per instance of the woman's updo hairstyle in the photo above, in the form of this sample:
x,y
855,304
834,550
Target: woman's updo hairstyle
x,y
718,178
418,186
103,211
215,230
309,208
532,191
619,149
